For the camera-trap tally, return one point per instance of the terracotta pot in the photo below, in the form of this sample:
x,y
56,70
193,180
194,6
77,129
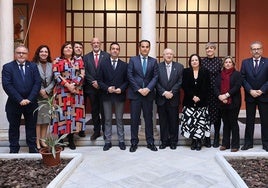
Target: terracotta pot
x,y
48,158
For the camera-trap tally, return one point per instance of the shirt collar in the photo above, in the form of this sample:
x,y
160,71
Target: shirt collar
x,y
20,63
113,59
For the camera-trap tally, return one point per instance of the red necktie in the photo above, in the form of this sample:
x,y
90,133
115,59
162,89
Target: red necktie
x,y
96,60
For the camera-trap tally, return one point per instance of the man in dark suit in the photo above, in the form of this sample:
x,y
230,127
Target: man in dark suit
x,y
92,61
254,71
142,75
168,98
22,83
112,79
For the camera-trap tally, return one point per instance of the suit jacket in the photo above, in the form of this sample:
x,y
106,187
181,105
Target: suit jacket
x,y
138,80
234,91
198,87
252,80
47,77
173,84
107,77
16,89
91,70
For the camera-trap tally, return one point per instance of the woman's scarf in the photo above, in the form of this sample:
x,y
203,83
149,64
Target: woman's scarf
x,y
225,82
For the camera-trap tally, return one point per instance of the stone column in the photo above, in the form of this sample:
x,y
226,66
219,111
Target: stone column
x,y
148,32
6,55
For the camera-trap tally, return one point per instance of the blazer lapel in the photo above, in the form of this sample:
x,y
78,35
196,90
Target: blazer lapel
x,y
261,63
139,66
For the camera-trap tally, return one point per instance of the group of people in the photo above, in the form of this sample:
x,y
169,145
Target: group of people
x,y
211,93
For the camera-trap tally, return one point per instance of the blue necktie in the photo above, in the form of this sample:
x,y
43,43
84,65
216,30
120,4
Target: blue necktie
x,y
21,71
144,65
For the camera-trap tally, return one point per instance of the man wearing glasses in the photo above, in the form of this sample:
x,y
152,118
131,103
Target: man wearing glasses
x,y
255,74
21,82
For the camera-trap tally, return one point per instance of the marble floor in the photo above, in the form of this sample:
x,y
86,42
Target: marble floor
x,y
182,168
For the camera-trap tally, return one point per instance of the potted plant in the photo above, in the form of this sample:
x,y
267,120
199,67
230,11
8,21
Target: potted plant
x,y
51,153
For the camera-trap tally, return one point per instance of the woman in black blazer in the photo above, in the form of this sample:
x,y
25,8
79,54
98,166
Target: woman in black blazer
x,y
227,89
194,120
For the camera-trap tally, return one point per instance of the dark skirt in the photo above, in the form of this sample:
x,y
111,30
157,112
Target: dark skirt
x,y
195,122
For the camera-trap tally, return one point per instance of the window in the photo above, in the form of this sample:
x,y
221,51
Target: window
x,y
183,25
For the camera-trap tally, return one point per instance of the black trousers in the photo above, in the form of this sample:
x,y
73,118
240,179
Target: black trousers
x,y
147,108
96,110
230,127
250,122
14,119
169,123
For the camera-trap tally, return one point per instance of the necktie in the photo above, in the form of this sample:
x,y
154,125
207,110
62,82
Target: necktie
x,y
256,65
96,60
113,63
144,65
168,71
22,71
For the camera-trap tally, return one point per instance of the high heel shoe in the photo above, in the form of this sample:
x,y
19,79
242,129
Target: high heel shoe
x,y
43,144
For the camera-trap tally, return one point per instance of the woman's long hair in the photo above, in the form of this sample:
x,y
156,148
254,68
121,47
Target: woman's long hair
x,y
36,57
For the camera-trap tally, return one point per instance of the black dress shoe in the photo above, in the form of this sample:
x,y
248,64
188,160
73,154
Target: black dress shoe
x,y
11,151
122,145
107,146
173,146
193,144
82,134
246,147
152,147
95,136
198,144
33,150
162,146
207,142
133,147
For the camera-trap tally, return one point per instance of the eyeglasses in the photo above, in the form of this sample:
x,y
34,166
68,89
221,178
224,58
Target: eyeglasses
x,y
256,49
23,53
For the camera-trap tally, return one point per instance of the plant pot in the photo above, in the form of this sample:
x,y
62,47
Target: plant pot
x,y
48,158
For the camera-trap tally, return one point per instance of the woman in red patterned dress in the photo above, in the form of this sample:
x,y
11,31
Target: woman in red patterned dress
x,y
69,75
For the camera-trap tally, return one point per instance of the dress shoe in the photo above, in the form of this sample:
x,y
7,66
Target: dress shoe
x,y
82,134
173,146
216,143
71,141
246,147
198,144
122,145
162,146
222,148
193,144
133,147
152,147
107,146
207,142
33,150
95,136
12,151
234,150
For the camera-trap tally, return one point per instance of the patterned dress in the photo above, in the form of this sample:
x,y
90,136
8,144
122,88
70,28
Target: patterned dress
x,y
72,117
213,65
194,119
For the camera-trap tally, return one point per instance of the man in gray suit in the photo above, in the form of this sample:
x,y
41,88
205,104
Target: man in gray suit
x,y
168,98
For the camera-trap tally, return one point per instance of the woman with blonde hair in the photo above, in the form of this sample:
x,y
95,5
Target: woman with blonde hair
x,y
227,89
